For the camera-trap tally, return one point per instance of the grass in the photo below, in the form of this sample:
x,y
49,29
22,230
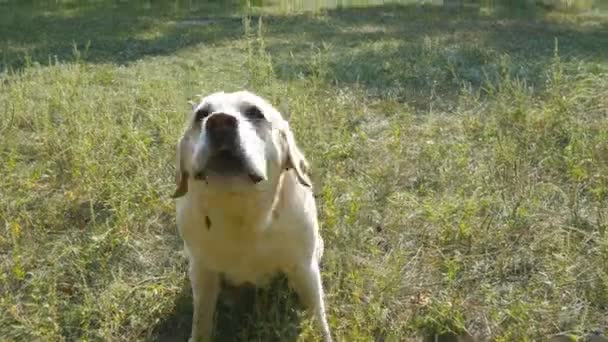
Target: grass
x,y
460,165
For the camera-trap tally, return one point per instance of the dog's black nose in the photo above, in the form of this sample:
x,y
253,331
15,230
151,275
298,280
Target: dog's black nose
x,y
221,128
221,121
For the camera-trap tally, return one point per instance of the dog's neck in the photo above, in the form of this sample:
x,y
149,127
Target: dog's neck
x,y
248,211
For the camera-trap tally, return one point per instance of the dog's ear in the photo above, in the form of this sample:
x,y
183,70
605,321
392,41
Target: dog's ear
x,y
181,174
295,158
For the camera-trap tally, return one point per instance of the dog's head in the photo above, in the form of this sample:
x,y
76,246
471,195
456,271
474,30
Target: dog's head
x,y
236,137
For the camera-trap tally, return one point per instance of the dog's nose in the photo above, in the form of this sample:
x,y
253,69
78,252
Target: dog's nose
x,y
221,121
222,129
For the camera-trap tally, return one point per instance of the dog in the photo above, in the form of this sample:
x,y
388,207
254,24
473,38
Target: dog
x,y
244,204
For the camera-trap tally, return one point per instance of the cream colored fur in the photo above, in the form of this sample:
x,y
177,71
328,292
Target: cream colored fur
x,y
244,231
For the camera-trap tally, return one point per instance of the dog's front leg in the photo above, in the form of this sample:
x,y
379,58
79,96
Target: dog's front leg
x,y
306,280
205,291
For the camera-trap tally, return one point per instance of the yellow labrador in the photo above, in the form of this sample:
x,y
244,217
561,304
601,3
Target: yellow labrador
x,y
245,207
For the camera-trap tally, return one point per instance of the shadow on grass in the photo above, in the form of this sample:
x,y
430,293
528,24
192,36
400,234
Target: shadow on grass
x,y
410,51
421,51
243,314
447,37
250,314
110,31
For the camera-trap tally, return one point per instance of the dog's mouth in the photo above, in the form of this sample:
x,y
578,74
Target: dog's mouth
x,y
228,163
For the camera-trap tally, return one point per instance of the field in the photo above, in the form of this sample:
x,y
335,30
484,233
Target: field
x,y
460,160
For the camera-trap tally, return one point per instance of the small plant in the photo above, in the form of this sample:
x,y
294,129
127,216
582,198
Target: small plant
x,y
259,63
460,164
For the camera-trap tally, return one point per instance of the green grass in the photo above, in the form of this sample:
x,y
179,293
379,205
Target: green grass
x,y
460,164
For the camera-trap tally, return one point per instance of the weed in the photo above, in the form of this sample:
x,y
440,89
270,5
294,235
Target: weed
x,y
460,163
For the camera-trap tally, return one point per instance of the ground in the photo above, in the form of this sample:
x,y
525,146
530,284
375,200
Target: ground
x,y
460,160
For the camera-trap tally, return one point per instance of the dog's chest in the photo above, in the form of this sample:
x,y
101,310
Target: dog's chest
x,y
234,247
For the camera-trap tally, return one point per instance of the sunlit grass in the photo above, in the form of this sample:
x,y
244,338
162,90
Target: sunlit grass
x,y
460,167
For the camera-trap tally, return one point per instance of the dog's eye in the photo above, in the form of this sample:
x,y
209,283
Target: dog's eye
x,y
254,112
201,114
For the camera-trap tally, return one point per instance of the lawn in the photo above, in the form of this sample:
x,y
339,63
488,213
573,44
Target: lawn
x,y
460,160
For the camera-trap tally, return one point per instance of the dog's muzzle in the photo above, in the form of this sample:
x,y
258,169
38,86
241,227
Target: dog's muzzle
x,y
224,155
222,131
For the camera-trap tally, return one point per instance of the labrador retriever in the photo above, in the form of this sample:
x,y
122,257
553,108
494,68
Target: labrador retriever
x,y
244,204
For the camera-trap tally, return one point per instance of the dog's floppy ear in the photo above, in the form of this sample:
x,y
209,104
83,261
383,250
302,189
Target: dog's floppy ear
x,y
295,158
181,174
